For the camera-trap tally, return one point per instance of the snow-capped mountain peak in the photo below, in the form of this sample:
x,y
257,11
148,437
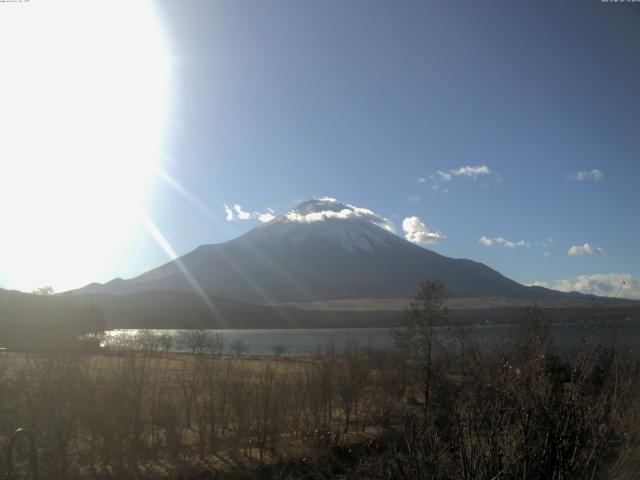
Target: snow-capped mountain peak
x,y
320,250
353,228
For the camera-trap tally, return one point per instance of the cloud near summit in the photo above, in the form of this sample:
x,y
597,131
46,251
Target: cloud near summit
x,y
416,231
236,212
328,208
345,213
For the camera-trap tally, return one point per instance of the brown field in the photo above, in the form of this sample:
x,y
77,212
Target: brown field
x,y
400,304
525,408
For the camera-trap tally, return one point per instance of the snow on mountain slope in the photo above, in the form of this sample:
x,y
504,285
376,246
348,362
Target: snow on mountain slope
x,y
320,250
353,228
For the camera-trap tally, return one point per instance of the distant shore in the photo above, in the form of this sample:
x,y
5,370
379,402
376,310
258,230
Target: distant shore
x,y
293,317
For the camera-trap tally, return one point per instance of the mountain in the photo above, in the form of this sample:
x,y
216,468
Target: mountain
x,y
320,250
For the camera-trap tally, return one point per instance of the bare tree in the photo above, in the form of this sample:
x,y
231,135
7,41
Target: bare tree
x,y
279,350
196,340
424,313
149,341
166,341
351,380
238,347
215,344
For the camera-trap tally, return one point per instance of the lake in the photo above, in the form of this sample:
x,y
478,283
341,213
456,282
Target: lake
x,y
309,341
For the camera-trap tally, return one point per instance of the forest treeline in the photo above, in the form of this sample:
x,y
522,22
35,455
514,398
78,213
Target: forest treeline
x,y
422,409
44,321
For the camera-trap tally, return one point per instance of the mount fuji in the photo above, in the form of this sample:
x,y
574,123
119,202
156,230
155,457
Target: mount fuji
x,y
321,264
321,250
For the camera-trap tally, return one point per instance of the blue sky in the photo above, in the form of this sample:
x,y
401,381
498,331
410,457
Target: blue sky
x,y
272,103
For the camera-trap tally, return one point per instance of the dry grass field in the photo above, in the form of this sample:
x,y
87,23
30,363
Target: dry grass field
x,y
524,409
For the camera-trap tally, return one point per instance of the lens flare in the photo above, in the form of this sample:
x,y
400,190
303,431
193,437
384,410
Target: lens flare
x,y
84,99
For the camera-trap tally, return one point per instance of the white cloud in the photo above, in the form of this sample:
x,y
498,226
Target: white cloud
x,y
236,212
486,241
241,214
414,199
267,216
609,284
350,211
417,232
585,249
563,286
594,175
539,284
470,171
623,285
442,176
228,213
489,242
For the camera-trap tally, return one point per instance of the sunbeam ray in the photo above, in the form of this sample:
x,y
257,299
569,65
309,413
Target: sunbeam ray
x,y
157,235
178,187
260,291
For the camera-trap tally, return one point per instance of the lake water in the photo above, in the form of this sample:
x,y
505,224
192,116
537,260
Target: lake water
x,y
309,341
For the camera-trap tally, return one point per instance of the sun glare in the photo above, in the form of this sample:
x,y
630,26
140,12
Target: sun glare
x,y
83,102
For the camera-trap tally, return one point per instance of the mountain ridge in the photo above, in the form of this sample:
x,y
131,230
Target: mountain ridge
x,y
321,250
